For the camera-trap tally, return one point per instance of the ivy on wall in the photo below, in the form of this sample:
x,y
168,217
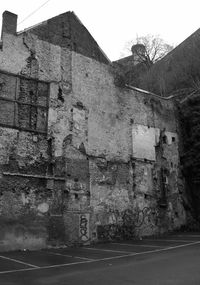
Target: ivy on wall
x,y
190,158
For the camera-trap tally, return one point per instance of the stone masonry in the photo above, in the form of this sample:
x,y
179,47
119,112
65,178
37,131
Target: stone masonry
x,y
81,159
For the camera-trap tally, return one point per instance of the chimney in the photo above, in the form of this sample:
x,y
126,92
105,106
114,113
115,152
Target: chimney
x,y
9,23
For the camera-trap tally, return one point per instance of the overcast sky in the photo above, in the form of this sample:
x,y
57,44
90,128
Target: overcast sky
x,y
114,22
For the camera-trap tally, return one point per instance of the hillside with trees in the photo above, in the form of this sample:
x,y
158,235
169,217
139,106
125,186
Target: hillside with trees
x,y
189,111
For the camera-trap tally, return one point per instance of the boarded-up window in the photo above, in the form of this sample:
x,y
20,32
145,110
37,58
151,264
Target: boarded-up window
x,y
23,103
7,112
7,86
144,141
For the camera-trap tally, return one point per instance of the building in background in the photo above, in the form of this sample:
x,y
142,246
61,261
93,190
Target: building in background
x,y
81,158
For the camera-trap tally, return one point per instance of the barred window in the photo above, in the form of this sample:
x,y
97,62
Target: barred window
x,y
23,103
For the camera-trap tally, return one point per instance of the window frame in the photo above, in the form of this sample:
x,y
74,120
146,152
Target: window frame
x,y
17,103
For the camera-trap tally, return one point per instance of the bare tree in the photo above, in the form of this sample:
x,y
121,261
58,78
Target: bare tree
x,y
148,49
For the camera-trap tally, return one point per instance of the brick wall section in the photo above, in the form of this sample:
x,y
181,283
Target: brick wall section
x,y
67,31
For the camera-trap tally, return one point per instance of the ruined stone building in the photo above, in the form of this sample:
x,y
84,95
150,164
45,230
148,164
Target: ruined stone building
x,y
82,159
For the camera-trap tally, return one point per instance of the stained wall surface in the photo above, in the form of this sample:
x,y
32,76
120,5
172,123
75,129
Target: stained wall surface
x,y
80,158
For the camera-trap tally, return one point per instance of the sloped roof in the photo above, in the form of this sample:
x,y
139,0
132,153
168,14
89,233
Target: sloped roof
x,y
66,30
179,69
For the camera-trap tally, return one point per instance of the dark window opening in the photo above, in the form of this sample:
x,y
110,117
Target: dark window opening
x,y
164,179
164,139
163,186
60,95
23,103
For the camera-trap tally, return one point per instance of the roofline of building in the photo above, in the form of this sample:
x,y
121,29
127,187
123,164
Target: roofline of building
x,y
72,12
31,27
92,37
41,23
176,48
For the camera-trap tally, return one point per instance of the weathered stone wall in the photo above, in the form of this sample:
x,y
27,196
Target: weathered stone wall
x,y
88,176
137,132
31,180
24,199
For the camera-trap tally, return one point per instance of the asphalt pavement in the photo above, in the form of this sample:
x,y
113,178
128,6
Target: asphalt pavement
x,y
172,259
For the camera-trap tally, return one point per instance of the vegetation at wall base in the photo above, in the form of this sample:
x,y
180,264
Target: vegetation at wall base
x,y
190,159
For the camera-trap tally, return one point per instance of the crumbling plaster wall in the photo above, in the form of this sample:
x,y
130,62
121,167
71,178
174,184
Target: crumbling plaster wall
x,y
16,51
22,198
114,113
26,158
96,179
66,191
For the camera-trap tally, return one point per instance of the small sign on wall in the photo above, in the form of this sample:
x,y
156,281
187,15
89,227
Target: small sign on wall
x,y
84,228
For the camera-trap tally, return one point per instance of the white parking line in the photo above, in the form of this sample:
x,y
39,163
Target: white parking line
x,y
60,254
168,240
103,259
187,236
108,250
142,245
18,261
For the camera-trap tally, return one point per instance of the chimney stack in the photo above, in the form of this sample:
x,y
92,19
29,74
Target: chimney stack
x,y
9,23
